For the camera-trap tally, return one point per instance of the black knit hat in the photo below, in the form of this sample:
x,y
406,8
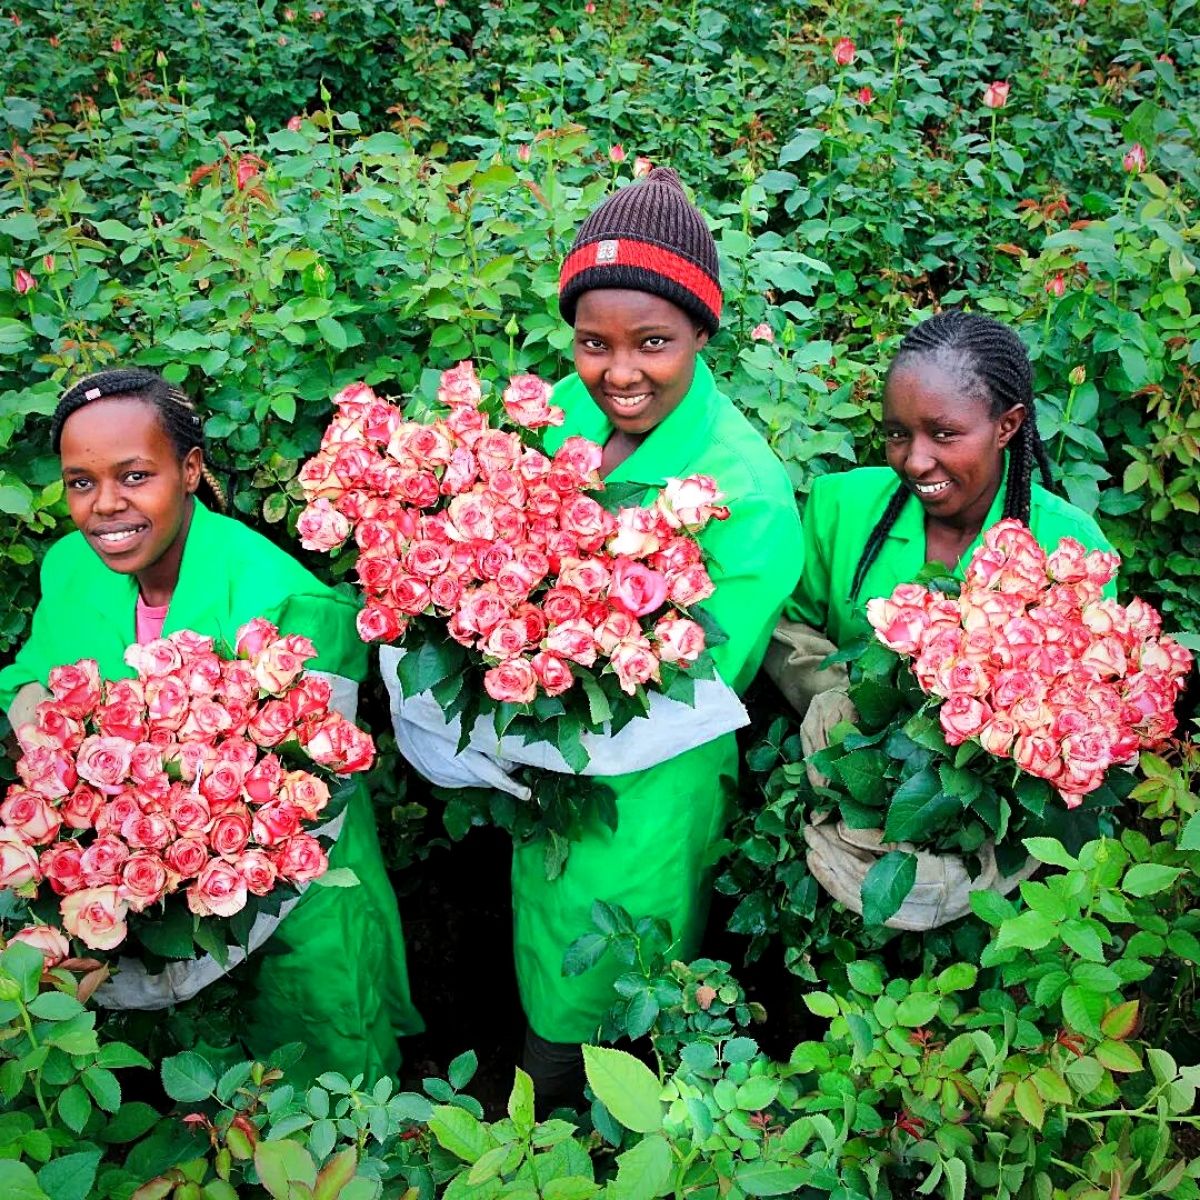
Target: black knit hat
x,y
650,238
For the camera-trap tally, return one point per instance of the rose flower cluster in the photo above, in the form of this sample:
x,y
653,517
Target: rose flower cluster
x,y
133,789
462,520
1033,663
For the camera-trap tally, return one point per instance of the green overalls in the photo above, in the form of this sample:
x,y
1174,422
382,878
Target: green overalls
x,y
843,509
670,817
333,975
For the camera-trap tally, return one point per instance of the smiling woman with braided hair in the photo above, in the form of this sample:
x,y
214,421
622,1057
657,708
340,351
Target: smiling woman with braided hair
x,y
963,451
148,558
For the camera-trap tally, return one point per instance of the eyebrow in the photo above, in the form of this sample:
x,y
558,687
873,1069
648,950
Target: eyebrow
x,y
636,330
125,462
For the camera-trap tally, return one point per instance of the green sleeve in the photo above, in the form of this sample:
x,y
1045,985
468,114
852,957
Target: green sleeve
x,y
809,603
35,658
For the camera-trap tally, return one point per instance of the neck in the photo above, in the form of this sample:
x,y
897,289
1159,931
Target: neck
x,y
157,582
617,449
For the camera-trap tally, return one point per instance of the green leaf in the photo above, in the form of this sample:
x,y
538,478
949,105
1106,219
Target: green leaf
x,y
886,885
1119,1023
458,1131
956,1178
280,1164
626,1087
18,1182
1146,879
133,1119
104,1088
957,977
1029,1103
462,1069
430,663
569,1187
758,1178
1118,1056
645,1171
520,1103
55,1006
865,976
118,1054
70,1177
1051,851
599,709
917,1009
584,952
919,809
1190,839
862,773
75,1107
188,1077
1082,1010
820,1004
803,143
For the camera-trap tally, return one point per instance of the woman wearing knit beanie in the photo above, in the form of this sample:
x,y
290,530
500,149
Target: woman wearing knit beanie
x,y
642,290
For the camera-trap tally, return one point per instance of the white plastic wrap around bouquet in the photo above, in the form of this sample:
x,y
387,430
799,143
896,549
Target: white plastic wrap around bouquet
x,y
430,743
131,986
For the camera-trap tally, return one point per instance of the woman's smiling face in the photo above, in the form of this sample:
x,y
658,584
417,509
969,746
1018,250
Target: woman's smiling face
x,y
942,439
636,355
128,492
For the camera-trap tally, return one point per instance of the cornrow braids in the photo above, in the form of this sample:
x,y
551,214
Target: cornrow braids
x,y
989,354
181,422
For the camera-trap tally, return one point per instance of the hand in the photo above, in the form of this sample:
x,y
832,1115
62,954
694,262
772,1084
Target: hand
x,y
824,712
22,710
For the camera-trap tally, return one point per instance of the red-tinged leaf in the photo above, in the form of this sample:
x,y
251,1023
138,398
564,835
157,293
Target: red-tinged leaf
x,y
1120,1023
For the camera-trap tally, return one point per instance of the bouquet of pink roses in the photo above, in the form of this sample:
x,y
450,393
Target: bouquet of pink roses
x,y
985,712
515,581
192,782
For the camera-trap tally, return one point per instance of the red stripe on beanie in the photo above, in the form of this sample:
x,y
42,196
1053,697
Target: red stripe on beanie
x,y
628,252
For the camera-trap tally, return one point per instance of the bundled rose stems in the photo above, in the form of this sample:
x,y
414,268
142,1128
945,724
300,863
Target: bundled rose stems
x,y
529,617
1033,664
195,787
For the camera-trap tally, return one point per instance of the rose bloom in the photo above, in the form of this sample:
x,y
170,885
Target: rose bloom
x,y
166,702
763,332
481,611
238,684
203,675
338,744
675,555
898,627
679,640
379,623
690,586
308,698
638,534
553,674
304,790
561,604
635,589
589,577
996,737
219,890
995,95
104,762
186,857
635,663
61,865
154,660
1067,563
255,636
55,728
1037,754
321,527
96,916
427,558
264,779
583,517
206,721
230,831
429,445
963,717
50,773
1106,656
460,385
280,664
147,831
507,640
143,880
534,465
258,870
50,941
301,859
80,809
76,687
189,813
30,816
461,473
843,51
512,682
527,402
691,502
472,516
498,450
574,640
116,812
467,424
1014,684
581,458
275,822
19,864
272,724
617,627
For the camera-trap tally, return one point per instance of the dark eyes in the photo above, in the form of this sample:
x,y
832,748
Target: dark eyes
x,y
939,435
656,342
130,477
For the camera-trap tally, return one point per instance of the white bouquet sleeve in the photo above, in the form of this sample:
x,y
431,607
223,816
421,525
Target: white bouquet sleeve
x,y
430,743
133,987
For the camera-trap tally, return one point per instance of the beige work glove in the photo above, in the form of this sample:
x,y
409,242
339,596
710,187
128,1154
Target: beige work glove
x,y
793,664
825,711
839,859
23,709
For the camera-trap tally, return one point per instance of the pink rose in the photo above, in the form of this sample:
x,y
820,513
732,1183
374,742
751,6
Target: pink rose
x,y
76,687
30,816
143,881
186,857
1086,757
258,870
96,916
467,424
589,577
512,682
961,678
264,779
561,604
461,473
166,702
675,555
635,663
154,660
230,831
147,831
275,822
507,640
584,519
104,762
690,586
691,503
279,665
409,594
122,720
19,863
427,558
238,684
255,636
554,676
379,623
481,611
48,772
189,813
617,627
962,717
80,809
446,594
1014,684
301,859
1067,564
899,627
55,728
527,401
219,890
496,450
581,459
272,724
638,534
996,737
206,721
460,385
50,941
1106,656
304,790
679,640
61,864
1037,754
321,527
574,640
338,744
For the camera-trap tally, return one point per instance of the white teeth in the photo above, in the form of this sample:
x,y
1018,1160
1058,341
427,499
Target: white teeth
x,y
931,489
629,401
114,539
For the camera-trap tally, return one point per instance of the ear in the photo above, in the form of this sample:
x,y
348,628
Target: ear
x,y
701,337
1010,422
193,468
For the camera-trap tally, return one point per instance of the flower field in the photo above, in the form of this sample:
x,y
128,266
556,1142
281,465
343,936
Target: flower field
x,y
268,203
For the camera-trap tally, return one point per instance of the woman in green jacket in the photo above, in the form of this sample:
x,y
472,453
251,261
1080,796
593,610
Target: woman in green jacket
x,y
640,287
963,451
148,558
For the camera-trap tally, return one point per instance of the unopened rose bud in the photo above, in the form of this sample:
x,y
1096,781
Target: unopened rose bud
x,y
1078,376
511,329
160,60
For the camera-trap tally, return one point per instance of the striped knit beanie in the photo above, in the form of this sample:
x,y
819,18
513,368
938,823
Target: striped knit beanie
x,y
650,238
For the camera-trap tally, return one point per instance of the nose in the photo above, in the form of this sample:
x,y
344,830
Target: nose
x,y
920,459
623,372
108,498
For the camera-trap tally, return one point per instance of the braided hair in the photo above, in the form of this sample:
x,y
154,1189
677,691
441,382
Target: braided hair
x,y
180,421
991,356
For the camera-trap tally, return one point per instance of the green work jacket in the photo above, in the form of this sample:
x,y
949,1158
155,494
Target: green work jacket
x,y
670,817
349,1017
843,509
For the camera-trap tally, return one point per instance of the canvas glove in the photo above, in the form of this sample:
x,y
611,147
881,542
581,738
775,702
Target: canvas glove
x,y
24,706
825,711
793,663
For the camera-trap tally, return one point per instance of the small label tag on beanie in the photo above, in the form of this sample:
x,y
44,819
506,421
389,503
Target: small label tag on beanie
x,y
606,251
